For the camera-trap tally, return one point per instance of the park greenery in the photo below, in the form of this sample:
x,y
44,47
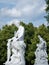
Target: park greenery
x,y
47,11
31,38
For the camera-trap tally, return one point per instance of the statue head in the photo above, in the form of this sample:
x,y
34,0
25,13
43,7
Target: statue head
x,y
42,44
41,39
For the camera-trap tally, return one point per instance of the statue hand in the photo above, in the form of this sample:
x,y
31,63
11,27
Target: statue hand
x,y
6,62
17,39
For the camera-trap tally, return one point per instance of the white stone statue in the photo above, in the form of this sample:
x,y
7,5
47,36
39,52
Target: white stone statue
x,y
40,53
16,48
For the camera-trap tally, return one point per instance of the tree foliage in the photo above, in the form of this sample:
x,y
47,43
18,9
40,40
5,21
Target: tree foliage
x,y
47,10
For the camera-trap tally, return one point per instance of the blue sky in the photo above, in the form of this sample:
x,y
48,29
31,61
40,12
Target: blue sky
x,y
22,10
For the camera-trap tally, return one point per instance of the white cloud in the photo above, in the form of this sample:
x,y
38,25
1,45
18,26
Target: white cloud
x,y
10,12
35,9
27,10
24,8
2,24
14,21
42,9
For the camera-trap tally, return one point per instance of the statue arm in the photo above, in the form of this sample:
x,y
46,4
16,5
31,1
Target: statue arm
x,y
8,51
16,33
